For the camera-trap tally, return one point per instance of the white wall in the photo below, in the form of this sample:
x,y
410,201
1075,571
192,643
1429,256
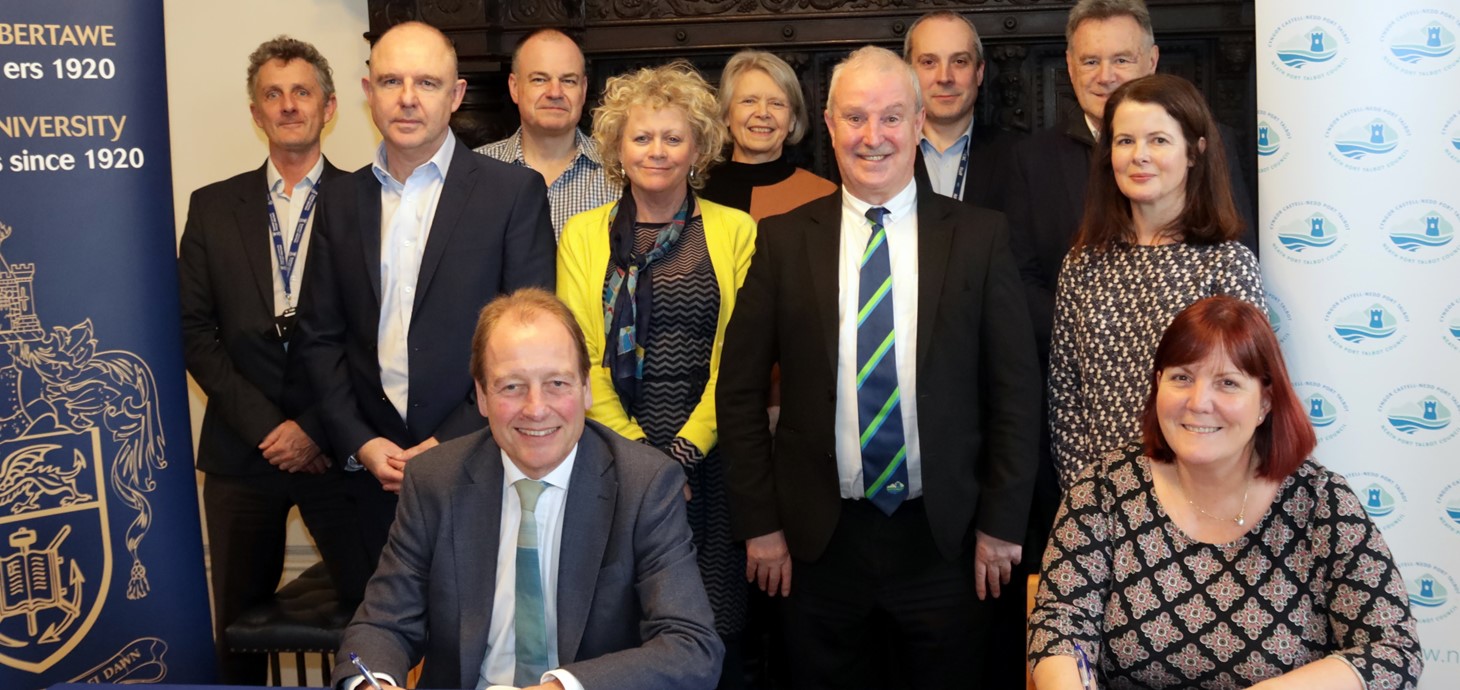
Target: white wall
x,y
213,137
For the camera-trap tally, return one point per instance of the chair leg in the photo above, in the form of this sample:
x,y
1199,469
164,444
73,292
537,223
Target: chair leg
x,y
277,675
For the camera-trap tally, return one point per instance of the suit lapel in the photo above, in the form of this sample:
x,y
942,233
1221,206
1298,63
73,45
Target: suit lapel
x,y
252,219
367,209
587,521
476,519
935,237
823,240
455,192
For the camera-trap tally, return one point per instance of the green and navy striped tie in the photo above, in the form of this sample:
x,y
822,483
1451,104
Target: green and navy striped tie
x,y
879,412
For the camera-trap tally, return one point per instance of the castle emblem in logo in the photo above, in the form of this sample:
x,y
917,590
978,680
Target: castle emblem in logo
x,y
1383,499
1426,414
1428,230
1419,414
1378,503
1327,409
1309,232
1431,591
1312,46
1308,47
1368,139
1272,140
1421,42
1367,323
1376,138
1421,231
77,424
1321,411
1373,323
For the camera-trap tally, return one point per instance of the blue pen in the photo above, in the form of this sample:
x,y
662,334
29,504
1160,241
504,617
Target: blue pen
x,y
370,677
1082,662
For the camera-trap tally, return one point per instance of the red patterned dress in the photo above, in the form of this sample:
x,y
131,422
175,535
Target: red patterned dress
x,y
1153,608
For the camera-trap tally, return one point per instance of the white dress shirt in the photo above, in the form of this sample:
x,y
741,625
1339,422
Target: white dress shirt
x,y
901,223
288,213
501,660
407,209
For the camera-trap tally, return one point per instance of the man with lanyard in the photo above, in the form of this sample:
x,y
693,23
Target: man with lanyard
x,y
262,448
549,85
955,157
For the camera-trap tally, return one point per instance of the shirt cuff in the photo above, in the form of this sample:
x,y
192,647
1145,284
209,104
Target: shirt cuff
x,y
562,676
356,681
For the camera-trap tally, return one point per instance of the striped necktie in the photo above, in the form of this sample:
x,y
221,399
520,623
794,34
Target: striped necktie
x,y
530,623
879,414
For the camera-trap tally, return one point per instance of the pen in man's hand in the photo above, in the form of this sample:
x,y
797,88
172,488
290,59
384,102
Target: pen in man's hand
x,y
1082,662
369,677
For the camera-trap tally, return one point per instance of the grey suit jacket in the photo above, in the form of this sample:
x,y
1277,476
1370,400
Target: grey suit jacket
x,y
632,610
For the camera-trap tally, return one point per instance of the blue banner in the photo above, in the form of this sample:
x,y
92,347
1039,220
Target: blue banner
x,y
101,563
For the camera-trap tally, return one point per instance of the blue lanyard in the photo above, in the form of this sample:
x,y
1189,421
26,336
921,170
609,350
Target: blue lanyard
x,y
962,169
286,260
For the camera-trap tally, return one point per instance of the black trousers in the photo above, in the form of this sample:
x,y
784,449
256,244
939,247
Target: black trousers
x,y
883,608
247,530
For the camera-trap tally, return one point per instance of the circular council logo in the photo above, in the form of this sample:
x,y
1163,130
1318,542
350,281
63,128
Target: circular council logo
x,y
1419,414
1450,137
1447,506
1368,139
1431,591
1450,325
1279,317
1381,496
1366,323
1328,411
1421,42
1272,141
1421,231
1308,47
1309,232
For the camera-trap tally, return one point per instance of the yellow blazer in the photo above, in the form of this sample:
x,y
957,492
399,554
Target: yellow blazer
x,y
583,256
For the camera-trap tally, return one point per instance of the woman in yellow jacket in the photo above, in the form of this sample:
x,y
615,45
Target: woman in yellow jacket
x,y
652,280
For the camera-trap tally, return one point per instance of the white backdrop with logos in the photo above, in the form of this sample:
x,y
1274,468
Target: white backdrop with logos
x,y
1359,172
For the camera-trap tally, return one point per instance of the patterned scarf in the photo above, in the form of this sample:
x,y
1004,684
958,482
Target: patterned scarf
x,y
628,294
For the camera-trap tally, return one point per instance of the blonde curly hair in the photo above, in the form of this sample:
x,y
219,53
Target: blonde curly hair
x,y
675,85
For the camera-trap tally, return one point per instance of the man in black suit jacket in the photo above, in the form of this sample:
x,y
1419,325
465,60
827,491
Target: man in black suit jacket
x,y
408,250
965,371
263,447
944,49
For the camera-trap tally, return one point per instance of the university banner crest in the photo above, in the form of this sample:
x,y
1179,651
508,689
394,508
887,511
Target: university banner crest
x,y
101,564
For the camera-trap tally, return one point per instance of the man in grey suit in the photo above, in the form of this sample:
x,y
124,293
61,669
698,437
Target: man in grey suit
x,y
542,502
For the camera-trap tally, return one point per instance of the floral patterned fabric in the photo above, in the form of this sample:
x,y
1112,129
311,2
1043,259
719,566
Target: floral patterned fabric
x,y
1153,608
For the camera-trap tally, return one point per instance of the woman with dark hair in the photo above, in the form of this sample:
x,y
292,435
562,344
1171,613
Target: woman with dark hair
x,y
1217,553
1159,232
652,280
763,111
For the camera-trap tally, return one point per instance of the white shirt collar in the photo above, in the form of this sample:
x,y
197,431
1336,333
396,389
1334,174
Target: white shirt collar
x,y
441,160
276,179
559,477
967,137
1090,122
898,207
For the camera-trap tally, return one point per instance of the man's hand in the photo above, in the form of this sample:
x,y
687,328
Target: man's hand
x,y
382,458
768,563
417,449
993,561
289,449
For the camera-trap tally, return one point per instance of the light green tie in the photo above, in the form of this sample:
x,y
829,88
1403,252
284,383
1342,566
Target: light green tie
x,y
531,622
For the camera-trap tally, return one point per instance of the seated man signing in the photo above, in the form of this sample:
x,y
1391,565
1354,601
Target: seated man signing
x,y
543,550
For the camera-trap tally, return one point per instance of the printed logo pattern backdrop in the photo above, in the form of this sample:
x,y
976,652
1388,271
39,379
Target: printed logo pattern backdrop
x,y
1358,151
101,565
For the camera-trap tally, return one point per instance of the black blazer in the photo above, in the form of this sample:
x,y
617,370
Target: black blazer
x,y
491,234
978,387
227,294
1046,200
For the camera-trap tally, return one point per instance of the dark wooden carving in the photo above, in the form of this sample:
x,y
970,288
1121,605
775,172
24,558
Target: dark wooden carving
x,y
1208,41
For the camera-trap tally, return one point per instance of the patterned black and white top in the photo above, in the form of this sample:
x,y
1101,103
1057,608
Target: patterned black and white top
x,y
677,349
1111,307
1153,608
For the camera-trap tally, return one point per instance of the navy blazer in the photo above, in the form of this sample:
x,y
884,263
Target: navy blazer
x,y
492,234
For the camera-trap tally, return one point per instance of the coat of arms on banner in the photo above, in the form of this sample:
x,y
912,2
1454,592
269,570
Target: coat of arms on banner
x,y
79,427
